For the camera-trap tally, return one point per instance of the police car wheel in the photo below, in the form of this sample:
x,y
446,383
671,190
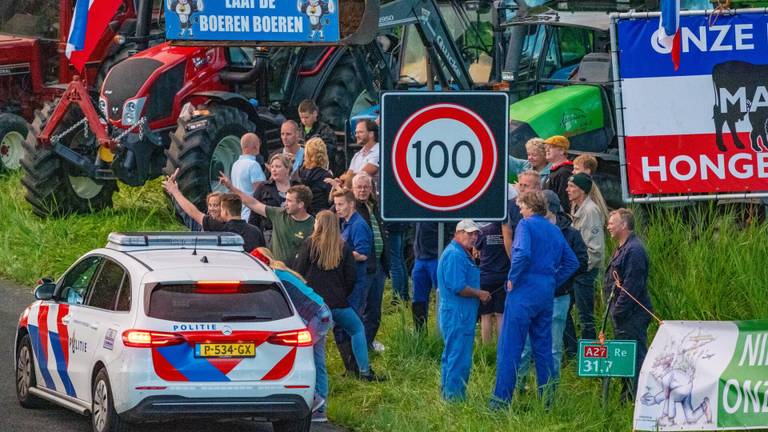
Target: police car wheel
x,y
104,418
299,425
25,375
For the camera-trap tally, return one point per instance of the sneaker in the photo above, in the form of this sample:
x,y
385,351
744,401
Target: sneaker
x,y
371,376
378,346
319,417
317,403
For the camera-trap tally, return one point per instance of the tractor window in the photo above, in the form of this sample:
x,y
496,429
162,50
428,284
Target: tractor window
x,y
533,45
575,43
38,18
240,57
279,71
413,69
473,34
567,46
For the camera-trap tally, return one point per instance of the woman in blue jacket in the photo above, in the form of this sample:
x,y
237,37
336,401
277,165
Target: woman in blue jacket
x,y
316,315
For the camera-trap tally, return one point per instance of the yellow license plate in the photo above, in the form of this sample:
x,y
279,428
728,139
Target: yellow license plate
x,y
225,350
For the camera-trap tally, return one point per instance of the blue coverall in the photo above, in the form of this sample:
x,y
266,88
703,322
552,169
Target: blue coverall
x,y
541,260
456,271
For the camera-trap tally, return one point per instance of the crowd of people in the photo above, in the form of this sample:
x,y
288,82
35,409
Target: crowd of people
x,y
324,237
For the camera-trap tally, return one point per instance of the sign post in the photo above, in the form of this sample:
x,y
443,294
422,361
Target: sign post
x,y
444,156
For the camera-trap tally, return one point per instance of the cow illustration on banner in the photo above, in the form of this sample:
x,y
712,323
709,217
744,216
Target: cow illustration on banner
x,y
704,375
701,128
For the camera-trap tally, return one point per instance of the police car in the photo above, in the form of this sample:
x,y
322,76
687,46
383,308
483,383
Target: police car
x,y
157,326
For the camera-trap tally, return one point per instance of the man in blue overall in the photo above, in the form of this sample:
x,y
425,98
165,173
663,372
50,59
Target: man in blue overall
x,y
458,280
541,261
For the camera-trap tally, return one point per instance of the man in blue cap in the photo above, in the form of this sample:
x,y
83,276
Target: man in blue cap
x,y
458,280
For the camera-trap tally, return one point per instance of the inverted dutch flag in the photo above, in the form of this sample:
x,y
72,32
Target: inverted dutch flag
x,y
669,29
89,21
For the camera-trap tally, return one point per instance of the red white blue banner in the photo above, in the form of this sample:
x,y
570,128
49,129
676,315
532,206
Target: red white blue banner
x,y
701,127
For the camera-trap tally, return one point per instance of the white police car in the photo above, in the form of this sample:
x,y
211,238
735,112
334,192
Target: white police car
x,y
157,326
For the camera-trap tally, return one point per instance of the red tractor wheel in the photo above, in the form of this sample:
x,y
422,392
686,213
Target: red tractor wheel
x,y
13,131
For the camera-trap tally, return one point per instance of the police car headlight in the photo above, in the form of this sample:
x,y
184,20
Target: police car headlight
x,y
132,110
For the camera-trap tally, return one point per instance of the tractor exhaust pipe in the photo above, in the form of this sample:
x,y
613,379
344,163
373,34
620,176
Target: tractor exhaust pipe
x,y
144,21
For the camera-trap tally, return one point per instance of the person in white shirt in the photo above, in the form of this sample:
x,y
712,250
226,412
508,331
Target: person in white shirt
x,y
367,159
246,171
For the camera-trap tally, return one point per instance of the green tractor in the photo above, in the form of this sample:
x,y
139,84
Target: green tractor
x,y
561,82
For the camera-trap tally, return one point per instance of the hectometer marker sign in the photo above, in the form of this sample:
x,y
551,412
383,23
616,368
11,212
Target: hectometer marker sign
x,y
444,155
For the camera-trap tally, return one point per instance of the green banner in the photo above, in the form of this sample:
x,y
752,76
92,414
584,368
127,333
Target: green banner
x,y
705,375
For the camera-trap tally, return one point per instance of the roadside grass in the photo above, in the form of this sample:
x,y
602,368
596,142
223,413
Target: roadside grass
x,y
31,247
706,264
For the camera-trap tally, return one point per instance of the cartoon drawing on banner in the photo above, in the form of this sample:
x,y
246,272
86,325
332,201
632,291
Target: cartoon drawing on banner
x,y
739,92
674,370
316,11
184,10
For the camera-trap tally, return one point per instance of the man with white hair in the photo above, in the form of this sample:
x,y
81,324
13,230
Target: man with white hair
x,y
458,280
378,265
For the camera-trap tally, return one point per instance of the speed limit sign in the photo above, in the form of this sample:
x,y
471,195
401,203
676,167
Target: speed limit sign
x,y
444,155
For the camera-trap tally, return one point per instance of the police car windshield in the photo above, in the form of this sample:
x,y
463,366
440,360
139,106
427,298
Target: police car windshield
x,y
230,303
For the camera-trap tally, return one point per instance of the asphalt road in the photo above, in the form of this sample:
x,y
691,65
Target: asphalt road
x,y
13,300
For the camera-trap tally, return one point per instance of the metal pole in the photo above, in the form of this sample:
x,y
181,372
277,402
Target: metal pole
x,y
440,247
606,380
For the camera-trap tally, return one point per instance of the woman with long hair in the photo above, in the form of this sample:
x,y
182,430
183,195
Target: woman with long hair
x,y
316,315
313,172
272,192
326,261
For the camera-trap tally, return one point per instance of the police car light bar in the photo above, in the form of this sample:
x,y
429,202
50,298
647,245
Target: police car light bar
x,y
174,240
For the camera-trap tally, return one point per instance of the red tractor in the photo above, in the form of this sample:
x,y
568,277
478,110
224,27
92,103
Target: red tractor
x,y
34,69
186,107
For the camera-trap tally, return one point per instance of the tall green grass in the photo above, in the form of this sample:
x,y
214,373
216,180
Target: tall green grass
x,y
706,264
31,247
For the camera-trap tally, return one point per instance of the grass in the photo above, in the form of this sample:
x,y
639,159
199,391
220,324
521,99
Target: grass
x,y
706,264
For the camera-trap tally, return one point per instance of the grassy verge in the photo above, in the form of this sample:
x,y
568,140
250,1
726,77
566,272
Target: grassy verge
x,y
705,265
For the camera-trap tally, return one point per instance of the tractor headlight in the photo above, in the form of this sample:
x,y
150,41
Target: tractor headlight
x,y
132,110
103,106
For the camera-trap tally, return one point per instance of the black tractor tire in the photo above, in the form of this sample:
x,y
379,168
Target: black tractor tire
x,y
339,93
298,425
608,179
13,131
200,153
54,187
25,375
104,418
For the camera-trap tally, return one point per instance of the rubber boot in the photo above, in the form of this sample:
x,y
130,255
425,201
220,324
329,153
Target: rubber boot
x,y
348,357
419,311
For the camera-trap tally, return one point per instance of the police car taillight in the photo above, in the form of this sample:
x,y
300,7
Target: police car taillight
x,y
299,338
148,339
217,287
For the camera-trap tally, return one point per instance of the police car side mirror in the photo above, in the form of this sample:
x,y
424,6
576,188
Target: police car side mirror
x,y
45,289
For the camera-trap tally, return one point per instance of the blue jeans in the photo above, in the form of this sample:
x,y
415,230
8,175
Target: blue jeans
x,y
348,320
424,279
318,326
559,313
372,313
397,265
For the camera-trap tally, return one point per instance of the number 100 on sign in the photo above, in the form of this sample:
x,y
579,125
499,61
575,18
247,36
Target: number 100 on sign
x,y
445,157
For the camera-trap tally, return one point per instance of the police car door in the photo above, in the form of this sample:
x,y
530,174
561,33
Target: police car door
x,y
91,323
69,298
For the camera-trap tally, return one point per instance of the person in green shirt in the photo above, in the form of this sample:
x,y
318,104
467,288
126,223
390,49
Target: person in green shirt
x,y
291,224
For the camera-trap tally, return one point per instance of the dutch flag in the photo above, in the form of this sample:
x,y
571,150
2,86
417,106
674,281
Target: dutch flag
x,y
669,29
89,21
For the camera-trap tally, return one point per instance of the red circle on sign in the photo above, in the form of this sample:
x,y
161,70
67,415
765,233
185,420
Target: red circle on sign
x,y
487,151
